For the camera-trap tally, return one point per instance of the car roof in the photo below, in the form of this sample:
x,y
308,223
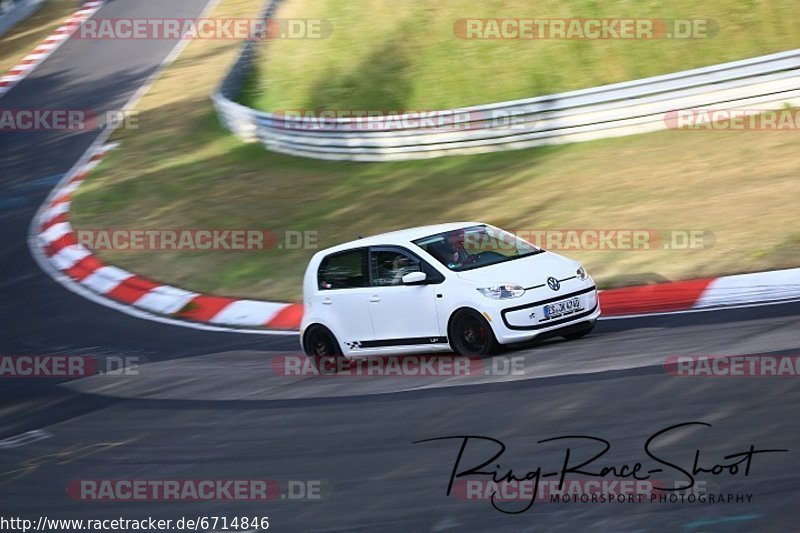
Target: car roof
x,y
401,237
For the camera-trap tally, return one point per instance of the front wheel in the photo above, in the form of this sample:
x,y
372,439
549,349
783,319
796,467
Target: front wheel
x,y
471,334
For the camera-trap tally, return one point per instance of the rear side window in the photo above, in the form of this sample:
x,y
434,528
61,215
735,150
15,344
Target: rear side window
x,y
344,270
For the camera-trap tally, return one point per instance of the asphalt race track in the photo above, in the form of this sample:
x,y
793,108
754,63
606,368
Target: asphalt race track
x,y
206,405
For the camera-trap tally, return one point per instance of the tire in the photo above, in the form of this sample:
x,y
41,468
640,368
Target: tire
x,y
580,333
471,334
318,341
321,346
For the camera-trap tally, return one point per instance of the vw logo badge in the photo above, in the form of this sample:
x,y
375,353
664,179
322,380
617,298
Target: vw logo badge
x,y
553,283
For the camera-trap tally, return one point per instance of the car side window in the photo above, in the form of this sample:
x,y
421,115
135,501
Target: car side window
x,y
343,270
389,266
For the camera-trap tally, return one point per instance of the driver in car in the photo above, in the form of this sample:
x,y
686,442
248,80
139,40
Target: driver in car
x,y
459,254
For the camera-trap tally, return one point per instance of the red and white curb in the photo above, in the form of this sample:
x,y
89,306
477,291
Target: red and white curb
x,y
708,293
58,244
48,46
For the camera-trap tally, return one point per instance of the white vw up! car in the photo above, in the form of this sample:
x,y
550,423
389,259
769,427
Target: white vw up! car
x,y
465,287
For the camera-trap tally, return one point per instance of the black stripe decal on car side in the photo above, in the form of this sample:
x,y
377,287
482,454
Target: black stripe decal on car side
x,y
381,343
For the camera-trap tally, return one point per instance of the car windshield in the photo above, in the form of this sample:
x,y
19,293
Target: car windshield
x,y
475,246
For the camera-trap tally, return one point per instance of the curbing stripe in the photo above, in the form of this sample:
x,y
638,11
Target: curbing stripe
x,y
70,255
204,308
653,298
57,239
165,300
58,219
55,231
250,313
745,288
131,289
83,268
106,279
54,210
62,242
43,50
287,318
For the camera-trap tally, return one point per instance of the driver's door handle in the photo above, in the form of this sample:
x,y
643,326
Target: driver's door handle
x,y
374,298
327,301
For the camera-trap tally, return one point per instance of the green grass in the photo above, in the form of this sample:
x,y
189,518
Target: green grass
x,y
182,170
385,55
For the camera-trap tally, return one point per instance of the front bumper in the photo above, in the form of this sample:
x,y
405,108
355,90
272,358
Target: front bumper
x,y
525,321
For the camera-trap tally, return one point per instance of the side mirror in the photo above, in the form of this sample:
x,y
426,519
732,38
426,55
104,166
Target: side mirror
x,y
414,278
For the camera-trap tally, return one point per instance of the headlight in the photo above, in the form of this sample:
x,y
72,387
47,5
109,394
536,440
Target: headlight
x,y
581,273
502,292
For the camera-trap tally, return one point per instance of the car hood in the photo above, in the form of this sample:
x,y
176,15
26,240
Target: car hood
x,y
526,271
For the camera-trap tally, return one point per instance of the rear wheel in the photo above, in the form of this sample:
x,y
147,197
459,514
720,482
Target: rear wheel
x,y
321,345
579,333
319,341
471,334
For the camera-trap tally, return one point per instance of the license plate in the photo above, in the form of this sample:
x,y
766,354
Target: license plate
x,y
562,308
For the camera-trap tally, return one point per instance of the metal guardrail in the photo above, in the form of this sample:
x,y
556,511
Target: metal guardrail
x,y
12,12
761,83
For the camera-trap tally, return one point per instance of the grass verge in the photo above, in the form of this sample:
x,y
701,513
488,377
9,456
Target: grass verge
x,y
180,169
384,55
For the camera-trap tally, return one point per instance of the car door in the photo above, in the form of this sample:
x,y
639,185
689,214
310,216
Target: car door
x,y
343,297
402,315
